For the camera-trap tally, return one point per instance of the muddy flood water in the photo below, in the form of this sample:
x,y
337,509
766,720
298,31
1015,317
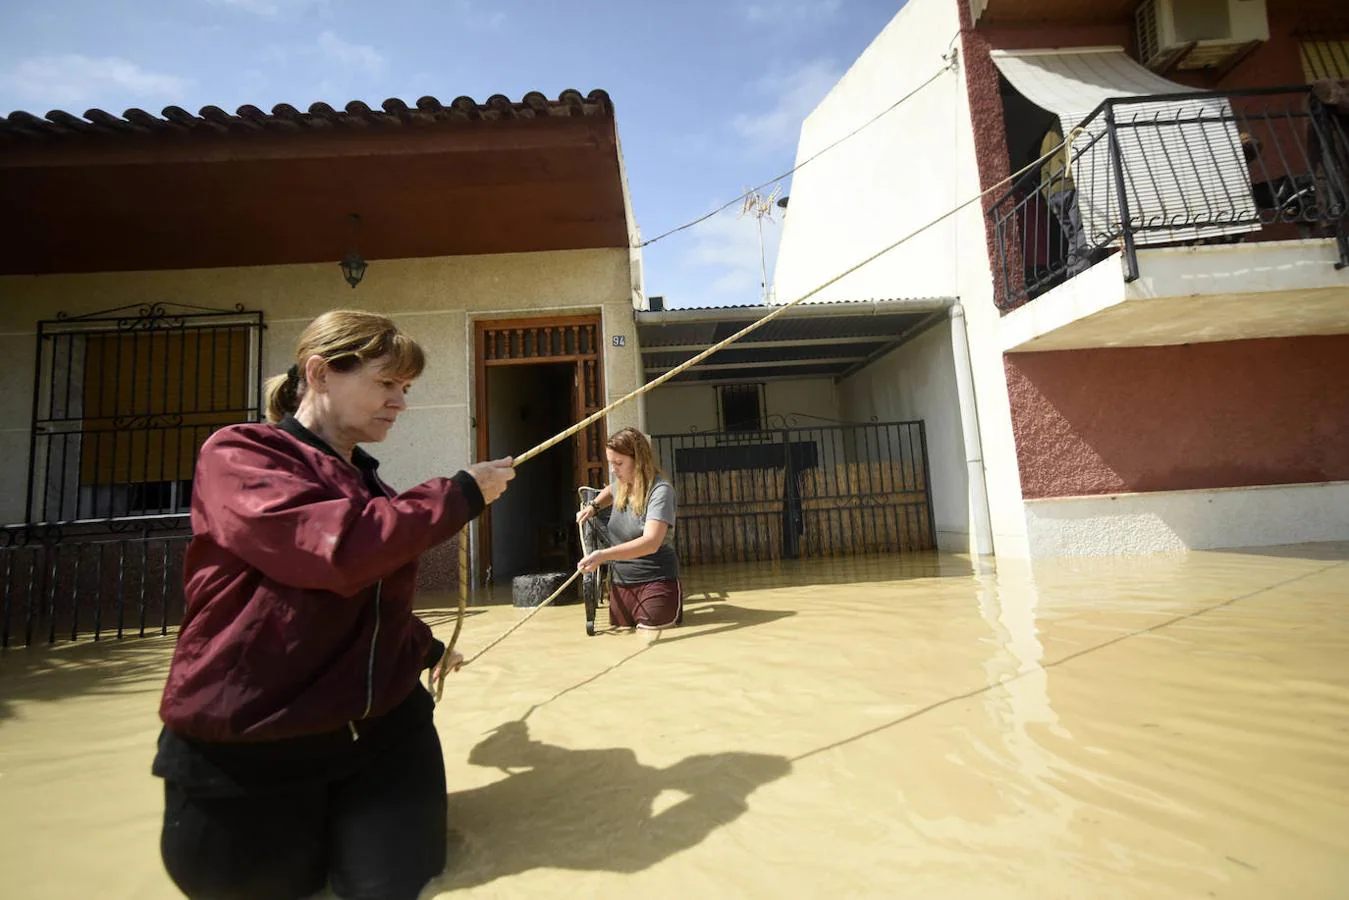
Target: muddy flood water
x,y
1161,727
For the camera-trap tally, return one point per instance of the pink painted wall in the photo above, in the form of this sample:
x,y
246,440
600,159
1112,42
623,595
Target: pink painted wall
x,y
1230,414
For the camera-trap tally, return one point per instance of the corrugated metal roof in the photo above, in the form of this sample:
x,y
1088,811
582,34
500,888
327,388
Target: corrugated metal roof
x,y
356,115
768,307
653,337
831,342
880,320
751,376
746,352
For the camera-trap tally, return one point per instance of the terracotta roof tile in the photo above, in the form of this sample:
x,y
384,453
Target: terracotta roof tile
x,y
393,113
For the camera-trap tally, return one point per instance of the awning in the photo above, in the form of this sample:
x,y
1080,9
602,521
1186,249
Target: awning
x,y
810,340
1182,158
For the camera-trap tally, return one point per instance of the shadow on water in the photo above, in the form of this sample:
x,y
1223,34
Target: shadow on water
x,y
600,809
716,616
87,669
590,810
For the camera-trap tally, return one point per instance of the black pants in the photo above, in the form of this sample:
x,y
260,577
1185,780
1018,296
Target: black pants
x,y
379,834
1076,255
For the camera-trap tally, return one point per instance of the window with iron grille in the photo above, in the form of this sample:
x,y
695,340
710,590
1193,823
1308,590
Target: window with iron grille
x,y
741,407
124,402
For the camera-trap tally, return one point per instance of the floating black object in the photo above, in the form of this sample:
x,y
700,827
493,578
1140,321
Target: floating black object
x,y
531,590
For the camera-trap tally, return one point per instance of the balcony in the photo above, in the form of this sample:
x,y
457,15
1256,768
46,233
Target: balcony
x,y
1179,218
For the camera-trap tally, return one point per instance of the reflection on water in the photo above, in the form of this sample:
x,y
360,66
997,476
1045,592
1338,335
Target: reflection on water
x,y
1168,727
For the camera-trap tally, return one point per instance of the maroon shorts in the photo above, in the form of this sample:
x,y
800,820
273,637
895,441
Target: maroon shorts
x,y
653,604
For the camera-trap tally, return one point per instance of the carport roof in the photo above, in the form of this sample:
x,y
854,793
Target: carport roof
x,y
832,339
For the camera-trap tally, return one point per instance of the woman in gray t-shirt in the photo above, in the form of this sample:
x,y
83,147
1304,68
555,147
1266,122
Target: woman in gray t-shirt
x,y
645,592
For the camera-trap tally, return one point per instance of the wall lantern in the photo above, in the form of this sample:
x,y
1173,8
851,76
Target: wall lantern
x,y
353,266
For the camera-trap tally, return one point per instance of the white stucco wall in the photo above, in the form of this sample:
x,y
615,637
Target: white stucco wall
x,y
680,408
886,181
1170,521
677,408
916,382
436,300
913,165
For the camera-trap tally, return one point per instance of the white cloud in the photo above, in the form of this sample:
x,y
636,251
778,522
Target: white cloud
x,y
257,7
725,252
79,82
347,54
252,82
787,98
782,12
273,9
475,16
325,67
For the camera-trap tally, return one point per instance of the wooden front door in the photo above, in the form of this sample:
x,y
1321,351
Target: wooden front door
x,y
573,340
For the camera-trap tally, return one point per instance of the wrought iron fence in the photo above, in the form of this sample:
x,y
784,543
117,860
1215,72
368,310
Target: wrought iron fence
x,y
122,402
93,580
794,492
1188,168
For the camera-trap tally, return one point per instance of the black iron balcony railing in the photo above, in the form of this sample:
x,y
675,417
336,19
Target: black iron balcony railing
x,y
1177,169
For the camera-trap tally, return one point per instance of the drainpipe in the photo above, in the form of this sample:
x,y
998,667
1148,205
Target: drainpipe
x,y
981,526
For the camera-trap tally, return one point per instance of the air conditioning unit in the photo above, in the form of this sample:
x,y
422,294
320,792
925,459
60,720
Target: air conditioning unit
x,y
1198,34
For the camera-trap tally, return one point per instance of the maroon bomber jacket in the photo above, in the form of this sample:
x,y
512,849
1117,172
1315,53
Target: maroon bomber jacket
x,y
299,584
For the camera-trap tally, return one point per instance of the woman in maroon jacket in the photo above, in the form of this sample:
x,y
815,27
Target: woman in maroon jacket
x,y
298,747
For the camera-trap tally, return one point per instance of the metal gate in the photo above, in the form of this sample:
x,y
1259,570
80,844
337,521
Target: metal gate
x,y
793,493
122,402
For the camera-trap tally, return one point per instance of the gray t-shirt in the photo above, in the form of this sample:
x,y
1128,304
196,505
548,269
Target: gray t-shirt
x,y
626,525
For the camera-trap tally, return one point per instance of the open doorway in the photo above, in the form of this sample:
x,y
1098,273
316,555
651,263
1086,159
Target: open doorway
x,y
532,528
533,379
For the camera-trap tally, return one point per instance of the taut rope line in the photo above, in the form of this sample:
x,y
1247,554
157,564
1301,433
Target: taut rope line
x,y
440,680
716,348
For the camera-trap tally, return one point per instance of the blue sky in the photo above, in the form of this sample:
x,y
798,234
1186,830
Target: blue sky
x,y
709,95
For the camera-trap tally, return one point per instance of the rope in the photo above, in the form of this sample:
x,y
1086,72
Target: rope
x,y
454,639
440,680
716,348
754,326
533,612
